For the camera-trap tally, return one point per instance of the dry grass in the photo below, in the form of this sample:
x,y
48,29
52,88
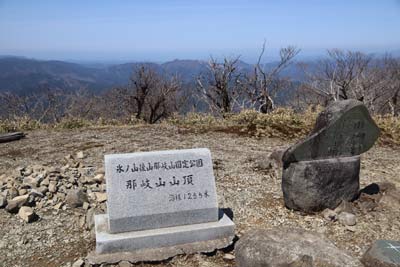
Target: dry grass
x,y
283,123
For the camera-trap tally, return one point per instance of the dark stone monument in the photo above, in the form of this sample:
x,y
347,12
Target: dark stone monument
x,y
323,169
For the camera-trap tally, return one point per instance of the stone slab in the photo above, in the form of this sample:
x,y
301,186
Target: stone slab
x,y
289,247
344,129
315,185
383,253
150,190
158,238
159,254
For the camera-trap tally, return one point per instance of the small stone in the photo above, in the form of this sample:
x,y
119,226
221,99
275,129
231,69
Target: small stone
x,y
17,202
13,192
347,219
329,215
78,263
27,171
22,191
37,193
60,196
3,201
344,206
99,178
75,198
45,182
27,214
43,189
85,206
90,218
229,257
80,155
30,182
53,186
101,197
58,206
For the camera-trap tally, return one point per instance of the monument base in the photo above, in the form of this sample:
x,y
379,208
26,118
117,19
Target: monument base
x,y
159,244
315,185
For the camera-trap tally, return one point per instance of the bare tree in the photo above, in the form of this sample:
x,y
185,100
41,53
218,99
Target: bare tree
x,y
345,75
150,96
262,85
392,70
219,87
337,76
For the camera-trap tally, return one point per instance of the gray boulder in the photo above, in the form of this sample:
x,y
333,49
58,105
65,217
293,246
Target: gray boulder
x,y
315,185
382,253
290,248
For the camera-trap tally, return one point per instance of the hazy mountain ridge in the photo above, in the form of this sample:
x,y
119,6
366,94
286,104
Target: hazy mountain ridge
x,y
18,74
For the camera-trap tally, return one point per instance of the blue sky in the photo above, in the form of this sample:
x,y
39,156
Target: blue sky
x,y
165,30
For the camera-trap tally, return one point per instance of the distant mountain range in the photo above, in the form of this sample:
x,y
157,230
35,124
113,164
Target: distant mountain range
x,y
23,75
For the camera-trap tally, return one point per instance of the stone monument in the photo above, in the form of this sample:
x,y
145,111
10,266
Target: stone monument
x,y
323,169
160,204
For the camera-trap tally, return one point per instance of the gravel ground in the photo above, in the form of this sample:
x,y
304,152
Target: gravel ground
x,y
244,183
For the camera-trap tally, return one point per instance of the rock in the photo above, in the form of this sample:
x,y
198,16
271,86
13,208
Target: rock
x,y
90,218
315,185
344,206
45,182
43,189
22,191
323,169
30,182
347,219
75,198
78,263
80,155
53,186
289,247
382,253
27,214
329,215
36,193
101,197
3,201
99,178
12,192
229,257
85,206
58,206
16,203
345,128
27,171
